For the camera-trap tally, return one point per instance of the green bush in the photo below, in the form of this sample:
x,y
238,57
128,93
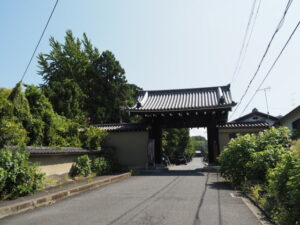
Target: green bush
x,y
284,190
100,166
20,177
249,157
260,162
275,137
235,157
81,167
111,156
92,138
3,176
11,132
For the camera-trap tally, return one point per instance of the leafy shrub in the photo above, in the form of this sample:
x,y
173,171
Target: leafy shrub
x,y
101,166
249,157
81,167
275,137
11,132
3,176
234,158
296,149
92,138
284,190
260,162
111,156
21,177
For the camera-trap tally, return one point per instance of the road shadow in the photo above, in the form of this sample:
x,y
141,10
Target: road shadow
x,y
167,172
220,185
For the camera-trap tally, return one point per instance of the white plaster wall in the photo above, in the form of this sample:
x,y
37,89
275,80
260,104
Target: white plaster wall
x,y
131,147
225,133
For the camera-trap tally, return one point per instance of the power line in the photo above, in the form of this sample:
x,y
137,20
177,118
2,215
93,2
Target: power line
x,y
41,37
269,71
248,41
265,53
244,41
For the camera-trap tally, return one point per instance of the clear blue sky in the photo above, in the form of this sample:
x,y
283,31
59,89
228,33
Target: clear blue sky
x,y
162,44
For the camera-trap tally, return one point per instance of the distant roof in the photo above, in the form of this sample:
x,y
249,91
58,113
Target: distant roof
x,y
37,150
245,125
183,99
119,127
289,113
253,113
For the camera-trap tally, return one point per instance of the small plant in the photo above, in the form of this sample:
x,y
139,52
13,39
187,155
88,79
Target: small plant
x,y
81,167
92,138
18,177
101,166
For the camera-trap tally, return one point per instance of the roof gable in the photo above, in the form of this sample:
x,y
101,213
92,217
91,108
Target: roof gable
x,y
256,116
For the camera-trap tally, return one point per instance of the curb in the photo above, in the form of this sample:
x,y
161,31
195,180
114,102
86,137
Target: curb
x,y
266,214
54,197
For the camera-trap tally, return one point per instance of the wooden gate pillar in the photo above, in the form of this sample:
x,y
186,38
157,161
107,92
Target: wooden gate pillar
x,y
156,134
213,141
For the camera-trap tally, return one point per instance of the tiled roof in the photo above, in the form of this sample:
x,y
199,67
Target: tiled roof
x,y
55,151
245,125
255,112
119,127
183,99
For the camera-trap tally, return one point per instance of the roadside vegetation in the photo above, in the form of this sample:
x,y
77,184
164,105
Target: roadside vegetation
x,y
18,177
267,166
199,144
81,86
177,143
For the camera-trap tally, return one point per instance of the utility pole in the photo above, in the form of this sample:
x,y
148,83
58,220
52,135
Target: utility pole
x,y
265,90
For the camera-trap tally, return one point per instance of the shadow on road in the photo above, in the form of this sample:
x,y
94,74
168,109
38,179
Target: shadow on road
x,y
220,185
166,172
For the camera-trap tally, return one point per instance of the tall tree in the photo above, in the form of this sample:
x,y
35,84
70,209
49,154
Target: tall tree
x,y
81,82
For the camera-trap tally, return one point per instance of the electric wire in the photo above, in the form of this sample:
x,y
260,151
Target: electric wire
x,y
244,41
264,55
271,68
249,38
37,45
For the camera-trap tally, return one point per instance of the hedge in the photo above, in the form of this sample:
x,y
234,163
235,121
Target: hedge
x,y
264,166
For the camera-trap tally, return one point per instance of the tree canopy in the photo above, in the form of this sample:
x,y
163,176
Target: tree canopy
x,y
82,82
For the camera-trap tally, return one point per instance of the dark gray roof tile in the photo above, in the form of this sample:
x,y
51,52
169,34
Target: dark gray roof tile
x,y
183,99
245,125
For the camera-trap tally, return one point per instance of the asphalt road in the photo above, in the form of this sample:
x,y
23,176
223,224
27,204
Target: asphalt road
x,y
185,195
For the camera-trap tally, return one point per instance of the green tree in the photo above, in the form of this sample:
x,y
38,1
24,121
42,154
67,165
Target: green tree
x,y
176,142
82,82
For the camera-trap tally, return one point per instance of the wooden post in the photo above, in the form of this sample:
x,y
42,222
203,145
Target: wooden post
x,y
156,134
213,140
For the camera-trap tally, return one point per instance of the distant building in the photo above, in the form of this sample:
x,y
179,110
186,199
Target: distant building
x,y
291,120
253,122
